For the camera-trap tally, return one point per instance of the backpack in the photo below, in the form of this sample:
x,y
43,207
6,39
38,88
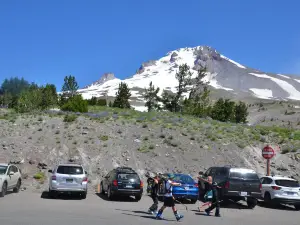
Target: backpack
x,y
208,196
163,187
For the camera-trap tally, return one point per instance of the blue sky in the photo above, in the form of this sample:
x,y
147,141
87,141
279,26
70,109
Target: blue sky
x,y
45,40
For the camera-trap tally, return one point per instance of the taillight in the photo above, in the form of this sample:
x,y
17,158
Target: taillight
x,y
226,185
141,184
53,177
115,183
276,188
85,179
260,186
196,185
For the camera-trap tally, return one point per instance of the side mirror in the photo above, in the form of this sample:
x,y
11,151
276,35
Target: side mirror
x,y
50,171
11,173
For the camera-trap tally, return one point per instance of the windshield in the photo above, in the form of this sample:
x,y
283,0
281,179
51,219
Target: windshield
x,y
3,170
245,176
287,183
184,179
70,170
128,176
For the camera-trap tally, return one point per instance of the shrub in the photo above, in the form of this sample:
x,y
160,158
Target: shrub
x,y
39,176
75,104
104,138
70,118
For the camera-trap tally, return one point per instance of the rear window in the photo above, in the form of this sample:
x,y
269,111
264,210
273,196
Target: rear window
x,y
3,170
128,176
69,170
184,179
287,183
245,176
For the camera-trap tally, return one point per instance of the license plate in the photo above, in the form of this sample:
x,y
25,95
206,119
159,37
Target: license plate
x,y
128,186
290,193
186,188
244,193
69,180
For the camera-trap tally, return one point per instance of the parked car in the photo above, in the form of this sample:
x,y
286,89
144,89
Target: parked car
x,y
236,184
189,189
279,189
10,178
122,181
68,178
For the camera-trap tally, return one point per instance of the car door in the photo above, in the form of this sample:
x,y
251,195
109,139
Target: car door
x,y
220,175
11,178
266,185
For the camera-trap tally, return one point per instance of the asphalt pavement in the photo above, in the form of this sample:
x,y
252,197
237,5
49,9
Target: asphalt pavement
x,y
27,208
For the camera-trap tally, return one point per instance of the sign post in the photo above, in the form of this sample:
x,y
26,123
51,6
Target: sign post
x,y
268,153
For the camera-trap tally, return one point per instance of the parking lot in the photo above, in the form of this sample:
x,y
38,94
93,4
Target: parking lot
x,y
28,208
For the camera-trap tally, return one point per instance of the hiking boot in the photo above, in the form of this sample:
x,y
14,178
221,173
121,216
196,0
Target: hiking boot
x,y
179,217
207,212
217,215
159,216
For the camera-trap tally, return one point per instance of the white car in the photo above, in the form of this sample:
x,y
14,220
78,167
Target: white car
x,y
279,189
10,178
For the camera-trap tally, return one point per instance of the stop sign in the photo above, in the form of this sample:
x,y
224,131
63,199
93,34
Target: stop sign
x,y
268,152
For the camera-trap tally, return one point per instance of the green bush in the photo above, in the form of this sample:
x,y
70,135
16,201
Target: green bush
x,y
75,104
103,138
70,118
39,176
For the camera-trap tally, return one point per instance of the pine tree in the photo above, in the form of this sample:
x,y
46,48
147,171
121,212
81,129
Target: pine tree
x,y
70,86
229,110
110,104
241,112
122,96
217,112
151,97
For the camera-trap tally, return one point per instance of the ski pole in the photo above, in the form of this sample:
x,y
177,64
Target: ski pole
x,y
182,204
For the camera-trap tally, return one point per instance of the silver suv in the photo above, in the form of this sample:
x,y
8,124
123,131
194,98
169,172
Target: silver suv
x,y
68,178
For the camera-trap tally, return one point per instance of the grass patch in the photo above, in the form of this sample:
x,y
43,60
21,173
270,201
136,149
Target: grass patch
x,y
103,138
70,118
39,176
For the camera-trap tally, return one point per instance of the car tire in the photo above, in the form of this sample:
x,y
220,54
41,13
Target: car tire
x,y
251,203
138,198
102,191
18,186
193,201
4,190
109,194
83,195
297,207
52,194
267,198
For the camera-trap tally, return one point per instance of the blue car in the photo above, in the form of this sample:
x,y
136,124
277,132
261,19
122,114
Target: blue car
x,y
188,190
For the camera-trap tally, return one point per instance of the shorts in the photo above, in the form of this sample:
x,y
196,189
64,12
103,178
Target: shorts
x,y
169,202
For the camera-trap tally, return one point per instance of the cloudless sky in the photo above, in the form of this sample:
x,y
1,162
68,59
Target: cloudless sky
x,y
45,40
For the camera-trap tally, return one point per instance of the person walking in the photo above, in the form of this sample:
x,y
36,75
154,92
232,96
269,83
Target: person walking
x,y
154,194
208,190
169,200
215,201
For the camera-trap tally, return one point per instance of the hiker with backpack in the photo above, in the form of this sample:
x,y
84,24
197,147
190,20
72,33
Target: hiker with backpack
x,y
211,197
154,194
169,200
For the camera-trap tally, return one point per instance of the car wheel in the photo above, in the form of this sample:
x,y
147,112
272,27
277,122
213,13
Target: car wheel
x,y
102,191
267,198
138,198
252,202
193,201
17,188
52,194
109,194
4,190
297,207
83,195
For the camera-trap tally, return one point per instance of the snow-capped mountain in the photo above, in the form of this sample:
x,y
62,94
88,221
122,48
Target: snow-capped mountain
x,y
223,74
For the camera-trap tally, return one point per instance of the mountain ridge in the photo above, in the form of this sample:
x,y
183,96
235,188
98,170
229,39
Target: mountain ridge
x,y
223,73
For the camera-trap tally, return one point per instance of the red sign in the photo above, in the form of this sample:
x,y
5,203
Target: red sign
x,y
268,152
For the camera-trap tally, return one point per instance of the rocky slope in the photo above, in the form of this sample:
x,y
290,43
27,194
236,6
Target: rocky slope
x,y
225,77
103,139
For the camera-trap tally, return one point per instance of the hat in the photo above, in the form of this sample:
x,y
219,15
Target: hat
x,y
171,176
